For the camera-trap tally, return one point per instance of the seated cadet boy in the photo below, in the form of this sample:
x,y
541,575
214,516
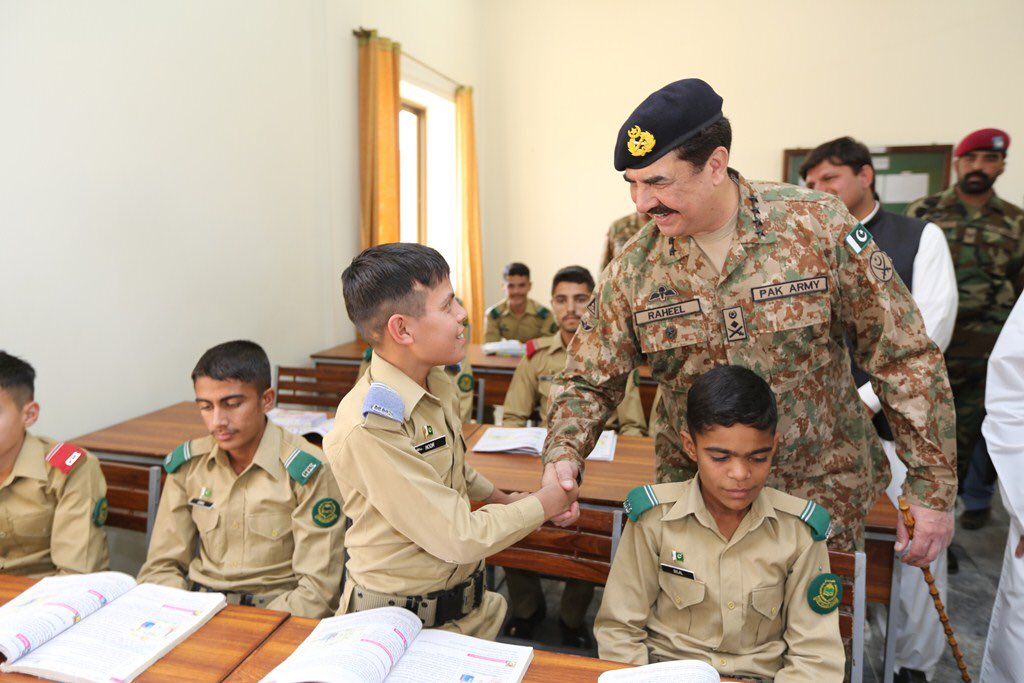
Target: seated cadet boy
x,y
400,459
52,494
571,290
721,568
265,510
517,316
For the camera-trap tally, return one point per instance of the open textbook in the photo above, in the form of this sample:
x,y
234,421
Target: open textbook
x,y
97,627
389,644
302,422
681,671
530,441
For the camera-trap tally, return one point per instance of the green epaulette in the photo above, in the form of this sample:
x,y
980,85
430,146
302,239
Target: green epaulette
x,y
182,454
543,313
643,498
812,514
493,313
301,465
367,354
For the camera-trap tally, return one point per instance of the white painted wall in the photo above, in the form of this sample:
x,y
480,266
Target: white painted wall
x,y
564,75
174,175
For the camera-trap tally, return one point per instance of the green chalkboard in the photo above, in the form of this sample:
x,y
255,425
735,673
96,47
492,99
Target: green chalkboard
x,y
899,171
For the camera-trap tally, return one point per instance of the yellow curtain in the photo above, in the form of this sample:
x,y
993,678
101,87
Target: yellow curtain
x,y
379,105
471,276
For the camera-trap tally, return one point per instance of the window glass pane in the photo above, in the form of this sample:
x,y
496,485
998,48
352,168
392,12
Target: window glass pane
x,y
408,149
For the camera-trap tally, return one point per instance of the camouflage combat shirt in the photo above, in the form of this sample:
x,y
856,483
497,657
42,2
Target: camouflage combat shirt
x,y
619,232
800,275
987,244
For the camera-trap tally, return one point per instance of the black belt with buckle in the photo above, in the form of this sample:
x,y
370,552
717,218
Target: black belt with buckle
x,y
244,599
450,601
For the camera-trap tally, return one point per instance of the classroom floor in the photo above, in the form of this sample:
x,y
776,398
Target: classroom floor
x,y
971,594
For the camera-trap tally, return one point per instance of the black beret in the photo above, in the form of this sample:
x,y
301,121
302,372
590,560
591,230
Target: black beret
x,y
666,119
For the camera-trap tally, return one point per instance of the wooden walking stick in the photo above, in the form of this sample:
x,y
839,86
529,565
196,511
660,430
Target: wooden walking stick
x,y
908,521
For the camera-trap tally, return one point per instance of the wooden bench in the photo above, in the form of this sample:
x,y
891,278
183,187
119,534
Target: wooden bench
x,y
581,551
319,387
133,495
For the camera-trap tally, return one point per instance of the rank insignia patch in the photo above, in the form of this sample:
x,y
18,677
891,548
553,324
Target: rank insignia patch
x,y
326,512
858,238
640,142
881,266
735,327
99,513
825,593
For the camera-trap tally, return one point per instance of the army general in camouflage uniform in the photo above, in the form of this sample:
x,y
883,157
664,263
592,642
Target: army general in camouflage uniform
x,y
770,277
986,238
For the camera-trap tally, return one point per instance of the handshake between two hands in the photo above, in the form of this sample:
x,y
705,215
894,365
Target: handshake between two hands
x,y
557,493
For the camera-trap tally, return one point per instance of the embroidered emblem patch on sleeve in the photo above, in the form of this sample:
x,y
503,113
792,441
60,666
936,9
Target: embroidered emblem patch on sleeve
x,y
825,593
326,512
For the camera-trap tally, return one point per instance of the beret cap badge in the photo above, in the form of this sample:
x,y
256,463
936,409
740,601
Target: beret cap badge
x,y
640,141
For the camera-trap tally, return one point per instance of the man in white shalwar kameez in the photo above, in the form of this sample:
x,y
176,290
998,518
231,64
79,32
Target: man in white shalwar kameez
x,y
1004,432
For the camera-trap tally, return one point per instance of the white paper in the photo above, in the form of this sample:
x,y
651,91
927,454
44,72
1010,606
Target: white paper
x,y
438,655
301,422
530,441
682,671
901,188
505,347
53,605
881,163
361,647
121,640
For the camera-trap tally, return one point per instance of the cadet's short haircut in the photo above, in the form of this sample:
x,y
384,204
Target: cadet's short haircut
x,y
516,268
389,279
244,361
844,151
727,395
577,274
697,150
17,378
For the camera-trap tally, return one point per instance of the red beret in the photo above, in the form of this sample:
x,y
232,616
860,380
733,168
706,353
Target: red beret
x,y
986,138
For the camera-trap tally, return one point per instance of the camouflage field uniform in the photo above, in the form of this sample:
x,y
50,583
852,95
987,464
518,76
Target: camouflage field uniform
x,y
536,321
987,244
620,232
801,275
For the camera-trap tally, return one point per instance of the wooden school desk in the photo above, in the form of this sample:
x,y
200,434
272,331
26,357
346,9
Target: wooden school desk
x,y
496,371
207,656
146,439
545,667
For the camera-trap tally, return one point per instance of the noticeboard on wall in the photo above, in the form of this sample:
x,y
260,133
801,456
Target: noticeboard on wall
x,y
902,173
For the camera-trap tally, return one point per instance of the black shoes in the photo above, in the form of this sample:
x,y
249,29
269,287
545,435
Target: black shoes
x,y
578,637
974,519
523,627
909,676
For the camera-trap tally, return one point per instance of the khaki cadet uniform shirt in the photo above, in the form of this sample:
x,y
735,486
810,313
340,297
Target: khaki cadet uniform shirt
x,y
678,589
51,522
262,532
620,232
531,384
462,377
536,321
800,277
401,464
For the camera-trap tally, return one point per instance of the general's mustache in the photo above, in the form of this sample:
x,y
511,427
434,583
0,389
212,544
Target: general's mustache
x,y
660,210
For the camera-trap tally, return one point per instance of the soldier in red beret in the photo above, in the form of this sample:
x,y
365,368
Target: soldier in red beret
x,y
986,238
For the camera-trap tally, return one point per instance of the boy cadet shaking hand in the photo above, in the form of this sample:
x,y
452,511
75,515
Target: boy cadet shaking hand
x,y
400,459
721,568
265,512
52,494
